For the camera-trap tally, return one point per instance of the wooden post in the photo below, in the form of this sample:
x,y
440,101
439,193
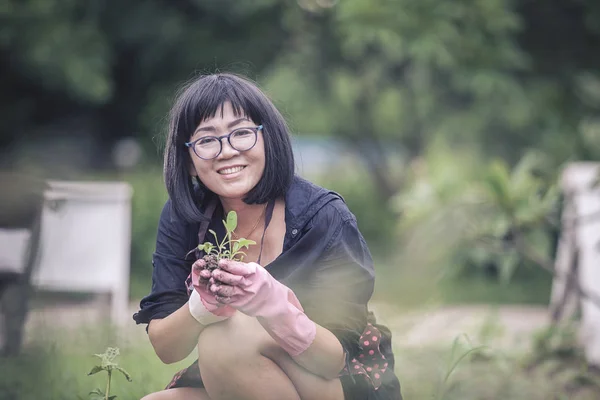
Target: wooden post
x,y
579,255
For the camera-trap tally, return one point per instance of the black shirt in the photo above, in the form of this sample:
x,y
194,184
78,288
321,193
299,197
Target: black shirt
x,y
325,261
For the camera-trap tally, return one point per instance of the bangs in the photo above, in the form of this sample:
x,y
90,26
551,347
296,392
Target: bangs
x,y
203,99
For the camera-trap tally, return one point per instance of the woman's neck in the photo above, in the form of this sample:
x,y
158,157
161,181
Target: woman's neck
x,y
247,214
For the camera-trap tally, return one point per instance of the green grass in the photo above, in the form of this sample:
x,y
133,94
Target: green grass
x,y
56,367
407,287
493,376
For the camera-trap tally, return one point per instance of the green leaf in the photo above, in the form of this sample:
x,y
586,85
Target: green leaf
x,y
108,356
498,184
206,247
125,373
236,246
97,394
245,243
214,235
95,370
231,223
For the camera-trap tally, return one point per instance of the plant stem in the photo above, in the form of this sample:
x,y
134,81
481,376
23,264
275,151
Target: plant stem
x,y
107,394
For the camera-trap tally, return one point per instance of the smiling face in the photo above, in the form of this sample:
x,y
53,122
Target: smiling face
x,y
232,174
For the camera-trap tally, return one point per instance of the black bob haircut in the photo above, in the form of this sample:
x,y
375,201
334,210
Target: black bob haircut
x,y
200,100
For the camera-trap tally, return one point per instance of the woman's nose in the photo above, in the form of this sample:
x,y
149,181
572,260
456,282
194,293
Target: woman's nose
x,y
226,150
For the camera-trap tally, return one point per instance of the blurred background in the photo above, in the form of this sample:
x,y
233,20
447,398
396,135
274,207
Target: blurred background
x,y
444,125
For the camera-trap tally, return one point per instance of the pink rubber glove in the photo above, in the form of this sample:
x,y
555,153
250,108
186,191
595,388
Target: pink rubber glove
x,y
250,288
202,303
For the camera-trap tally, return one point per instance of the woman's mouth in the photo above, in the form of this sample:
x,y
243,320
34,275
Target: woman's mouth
x,y
231,170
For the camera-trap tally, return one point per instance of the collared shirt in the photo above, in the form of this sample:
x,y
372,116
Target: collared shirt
x,y
325,261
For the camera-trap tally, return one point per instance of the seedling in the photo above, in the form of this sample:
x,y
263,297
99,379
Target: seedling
x,y
109,366
228,248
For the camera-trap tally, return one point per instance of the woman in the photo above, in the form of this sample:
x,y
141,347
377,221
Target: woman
x,y
289,321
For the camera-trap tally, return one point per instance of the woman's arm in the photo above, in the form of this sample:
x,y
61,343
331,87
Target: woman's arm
x,y
175,336
172,330
324,357
335,296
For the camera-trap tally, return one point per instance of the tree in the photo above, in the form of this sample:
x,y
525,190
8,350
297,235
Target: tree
x,y
401,74
105,70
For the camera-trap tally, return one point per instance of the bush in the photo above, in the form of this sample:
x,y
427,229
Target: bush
x,y
376,220
493,220
149,197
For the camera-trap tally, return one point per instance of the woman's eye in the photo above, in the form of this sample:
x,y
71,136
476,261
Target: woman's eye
x,y
207,141
243,132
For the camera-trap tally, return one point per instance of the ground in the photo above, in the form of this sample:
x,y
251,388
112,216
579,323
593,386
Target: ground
x,y
503,327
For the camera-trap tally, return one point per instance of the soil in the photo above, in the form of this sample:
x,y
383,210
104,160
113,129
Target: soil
x,y
212,262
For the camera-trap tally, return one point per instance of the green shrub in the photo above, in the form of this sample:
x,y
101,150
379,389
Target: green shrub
x,y
376,220
149,197
483,218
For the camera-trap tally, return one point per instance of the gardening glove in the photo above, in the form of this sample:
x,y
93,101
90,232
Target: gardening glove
x,y
202,303
250,288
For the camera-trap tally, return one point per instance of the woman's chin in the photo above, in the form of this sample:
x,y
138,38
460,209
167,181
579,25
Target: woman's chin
x,y
233,192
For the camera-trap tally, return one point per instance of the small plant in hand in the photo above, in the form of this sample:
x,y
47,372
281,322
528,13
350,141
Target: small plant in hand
x,y
107,364
228,248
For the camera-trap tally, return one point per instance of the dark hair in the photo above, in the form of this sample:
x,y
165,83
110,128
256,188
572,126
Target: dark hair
x,y
200,100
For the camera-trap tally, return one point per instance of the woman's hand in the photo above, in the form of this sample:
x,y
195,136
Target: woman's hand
x,y
202,303
250,288
245,286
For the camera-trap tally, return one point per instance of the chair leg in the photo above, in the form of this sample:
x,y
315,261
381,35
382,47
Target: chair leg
x,y
14,306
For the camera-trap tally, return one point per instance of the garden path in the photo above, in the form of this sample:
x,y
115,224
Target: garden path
x,y
503,327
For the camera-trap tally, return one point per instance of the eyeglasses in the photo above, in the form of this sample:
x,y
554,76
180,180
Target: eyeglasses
x,y
209,147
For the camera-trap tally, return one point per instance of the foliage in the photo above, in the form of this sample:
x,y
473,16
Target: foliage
x,y
374,214
391,74
493,218
394,80
228,248
394,77
490,374
556,341
148,199
55,362
109,69
51,367
454,361
108,365
558,348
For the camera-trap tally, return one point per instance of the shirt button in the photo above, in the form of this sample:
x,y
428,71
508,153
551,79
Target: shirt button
x,y
294,231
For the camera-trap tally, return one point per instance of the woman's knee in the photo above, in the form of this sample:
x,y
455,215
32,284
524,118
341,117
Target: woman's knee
x,y
232,364
238,337
184,393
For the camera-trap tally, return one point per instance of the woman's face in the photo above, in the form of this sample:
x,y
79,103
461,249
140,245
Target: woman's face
x,y
232,174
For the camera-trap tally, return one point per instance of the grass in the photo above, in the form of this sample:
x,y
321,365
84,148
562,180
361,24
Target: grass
x,y
56,367
487,377
408,285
